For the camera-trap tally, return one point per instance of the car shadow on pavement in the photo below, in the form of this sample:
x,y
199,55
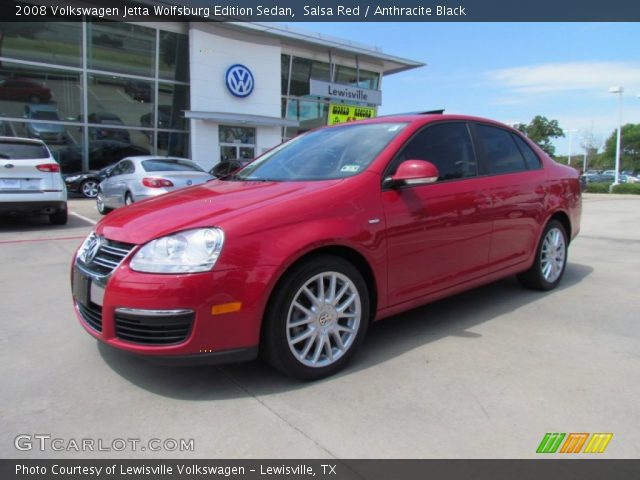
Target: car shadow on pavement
x,y
385,340
39,223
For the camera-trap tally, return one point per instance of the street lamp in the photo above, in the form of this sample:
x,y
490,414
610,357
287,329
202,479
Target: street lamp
x,y
619,91
570,132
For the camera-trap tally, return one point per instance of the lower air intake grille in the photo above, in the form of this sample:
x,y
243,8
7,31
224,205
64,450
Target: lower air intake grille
x,y
153,329
92,315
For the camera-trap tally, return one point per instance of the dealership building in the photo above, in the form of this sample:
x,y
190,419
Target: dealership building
x,y
96,91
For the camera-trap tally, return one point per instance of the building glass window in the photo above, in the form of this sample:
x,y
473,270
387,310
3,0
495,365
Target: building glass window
x,y
174,56
236,142
121,47
134,104
25,84
54,42
310,114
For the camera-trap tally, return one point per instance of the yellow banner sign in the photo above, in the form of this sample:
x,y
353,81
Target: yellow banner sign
x,y
339,113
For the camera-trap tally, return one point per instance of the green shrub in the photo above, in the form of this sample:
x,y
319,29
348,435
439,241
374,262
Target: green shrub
x,y
629,188
598,187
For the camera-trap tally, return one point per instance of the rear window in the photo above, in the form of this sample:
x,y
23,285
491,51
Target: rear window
x,y
22,151
169,165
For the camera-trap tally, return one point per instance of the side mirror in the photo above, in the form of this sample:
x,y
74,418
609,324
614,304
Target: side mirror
x,y
225,168
413,172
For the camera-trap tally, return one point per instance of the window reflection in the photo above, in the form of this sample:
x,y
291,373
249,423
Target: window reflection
x,y
108,94
22,84
47,41
174,56
121,47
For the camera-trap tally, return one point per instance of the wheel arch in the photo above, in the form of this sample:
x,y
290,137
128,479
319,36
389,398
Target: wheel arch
x,y
351,255
564,219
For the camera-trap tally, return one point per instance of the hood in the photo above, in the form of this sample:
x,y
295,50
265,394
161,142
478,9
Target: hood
x,y
206,205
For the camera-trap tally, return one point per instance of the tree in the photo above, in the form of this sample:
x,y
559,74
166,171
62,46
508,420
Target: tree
x,y
590,143
541,130
629,148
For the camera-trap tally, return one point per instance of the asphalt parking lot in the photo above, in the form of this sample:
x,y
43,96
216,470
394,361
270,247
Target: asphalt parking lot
x,y
484,374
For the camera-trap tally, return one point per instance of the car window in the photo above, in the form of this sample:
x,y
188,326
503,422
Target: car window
x,y
128,167
169,165
118,169
448,146
22,151
502,152
533,161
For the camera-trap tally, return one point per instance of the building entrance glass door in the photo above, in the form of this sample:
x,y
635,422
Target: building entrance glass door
x,y
237,143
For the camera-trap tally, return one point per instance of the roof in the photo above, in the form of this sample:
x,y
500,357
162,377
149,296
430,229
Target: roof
x,y
390,63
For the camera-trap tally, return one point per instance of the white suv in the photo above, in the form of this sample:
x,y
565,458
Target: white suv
x,y
30,180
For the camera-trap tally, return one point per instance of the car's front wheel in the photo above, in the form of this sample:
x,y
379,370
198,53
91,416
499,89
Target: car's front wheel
x,y
551,259
317,318
89,188
102,209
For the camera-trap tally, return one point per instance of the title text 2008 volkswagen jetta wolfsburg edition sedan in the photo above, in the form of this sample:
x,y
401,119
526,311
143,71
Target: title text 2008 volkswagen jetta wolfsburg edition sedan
x,y
295,254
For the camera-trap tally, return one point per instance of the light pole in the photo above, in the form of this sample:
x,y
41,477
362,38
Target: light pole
x,y
570,132
619,91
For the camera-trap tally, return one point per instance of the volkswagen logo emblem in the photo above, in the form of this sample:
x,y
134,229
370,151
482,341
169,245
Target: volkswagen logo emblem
x,y
189,182
239,80
92,249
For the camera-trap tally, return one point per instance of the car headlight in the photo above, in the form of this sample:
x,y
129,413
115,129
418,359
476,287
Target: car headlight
x,y
183,252
72,178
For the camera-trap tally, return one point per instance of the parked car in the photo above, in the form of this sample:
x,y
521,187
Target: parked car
x,y
107,118
86,183
138,178
102,153
299,251
48,132
600,178
227,167
139,90
30,181
24,90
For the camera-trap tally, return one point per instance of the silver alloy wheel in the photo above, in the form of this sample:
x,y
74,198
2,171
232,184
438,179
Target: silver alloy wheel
x,y
552,255
90,189
323,319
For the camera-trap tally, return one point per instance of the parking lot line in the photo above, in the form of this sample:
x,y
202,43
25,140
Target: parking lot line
x,y
81,217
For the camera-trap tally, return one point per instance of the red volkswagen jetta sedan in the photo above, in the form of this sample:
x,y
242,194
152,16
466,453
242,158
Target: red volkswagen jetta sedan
x,y
294,255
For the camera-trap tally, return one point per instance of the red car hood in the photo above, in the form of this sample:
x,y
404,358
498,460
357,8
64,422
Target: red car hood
x,y
205,205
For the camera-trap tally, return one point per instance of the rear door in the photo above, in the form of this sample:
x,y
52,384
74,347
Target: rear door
x,y
515,184
19,172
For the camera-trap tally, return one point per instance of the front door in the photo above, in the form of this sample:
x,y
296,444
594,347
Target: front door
x,y
438,235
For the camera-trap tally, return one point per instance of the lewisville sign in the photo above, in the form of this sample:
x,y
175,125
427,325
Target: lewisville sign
x,y
339,91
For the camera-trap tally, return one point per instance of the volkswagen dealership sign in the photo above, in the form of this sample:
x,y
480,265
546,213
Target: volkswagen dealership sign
x,y
239,80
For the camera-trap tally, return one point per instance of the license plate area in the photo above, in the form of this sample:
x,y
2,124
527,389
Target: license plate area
x,y
9,184
85,291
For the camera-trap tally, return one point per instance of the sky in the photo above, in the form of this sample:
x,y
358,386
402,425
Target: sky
x,y
510,72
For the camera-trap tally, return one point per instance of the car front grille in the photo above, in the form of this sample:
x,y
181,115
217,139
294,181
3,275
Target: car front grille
x,y
92,315
109,256
153,329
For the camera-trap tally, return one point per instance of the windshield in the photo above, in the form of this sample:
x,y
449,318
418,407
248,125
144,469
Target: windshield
x,y
169,165
324,154
44,115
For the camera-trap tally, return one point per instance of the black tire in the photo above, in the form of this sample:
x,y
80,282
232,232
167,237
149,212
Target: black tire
x,y
88,187
128,199
535,277
59,218
276,329
102,210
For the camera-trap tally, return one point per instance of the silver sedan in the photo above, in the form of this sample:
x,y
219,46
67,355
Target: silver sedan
x,y
136,178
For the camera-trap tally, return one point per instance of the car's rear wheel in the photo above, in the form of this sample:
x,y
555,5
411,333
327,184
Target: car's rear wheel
x,y
551,259
316,318
102,209
128,199
59,218
89,188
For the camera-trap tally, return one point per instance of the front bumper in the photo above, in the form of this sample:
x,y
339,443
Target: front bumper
x,y
204,336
